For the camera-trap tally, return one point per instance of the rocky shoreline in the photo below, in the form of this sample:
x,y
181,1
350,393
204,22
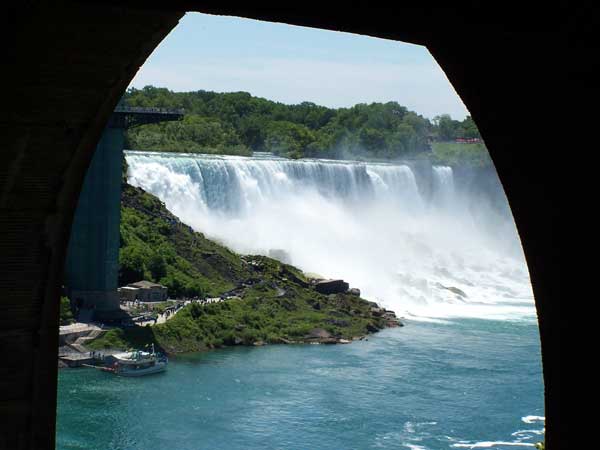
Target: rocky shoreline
x,y
77,355
261,300
78,346
74,353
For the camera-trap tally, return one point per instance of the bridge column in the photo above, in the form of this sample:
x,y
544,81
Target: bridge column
x,y
93,253
92,267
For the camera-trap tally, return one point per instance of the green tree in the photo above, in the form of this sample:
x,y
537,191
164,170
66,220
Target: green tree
x,y
66,314
372,139
287,138
157,266
469,129
238,123
446,127
131,264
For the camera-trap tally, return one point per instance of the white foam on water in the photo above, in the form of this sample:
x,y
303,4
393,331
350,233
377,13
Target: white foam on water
x,y
533,419
491,444
433,253
413,446
525,433
521,437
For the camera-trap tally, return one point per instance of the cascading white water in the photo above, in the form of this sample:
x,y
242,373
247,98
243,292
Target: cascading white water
x,y
417,251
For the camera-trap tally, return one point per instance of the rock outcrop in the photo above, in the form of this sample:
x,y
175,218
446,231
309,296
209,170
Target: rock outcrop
x,y
320,336
331,287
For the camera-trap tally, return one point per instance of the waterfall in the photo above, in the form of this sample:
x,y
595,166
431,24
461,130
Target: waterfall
x,y
443,186
415,250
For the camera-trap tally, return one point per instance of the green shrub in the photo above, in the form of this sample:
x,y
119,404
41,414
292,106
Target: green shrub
x,y
66,314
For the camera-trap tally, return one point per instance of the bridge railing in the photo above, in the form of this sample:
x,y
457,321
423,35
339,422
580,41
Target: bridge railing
x,y
149,110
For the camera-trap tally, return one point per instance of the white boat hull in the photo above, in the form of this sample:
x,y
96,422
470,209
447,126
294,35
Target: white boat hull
x,y
158,367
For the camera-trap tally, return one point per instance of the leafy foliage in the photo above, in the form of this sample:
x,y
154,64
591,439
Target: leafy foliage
x,y
238,123
156,246
448,129
66,315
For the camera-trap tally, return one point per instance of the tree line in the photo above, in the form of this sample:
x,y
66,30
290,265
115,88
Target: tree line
x,y
238,123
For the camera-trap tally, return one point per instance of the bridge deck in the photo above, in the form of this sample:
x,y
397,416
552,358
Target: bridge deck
x,y
132,116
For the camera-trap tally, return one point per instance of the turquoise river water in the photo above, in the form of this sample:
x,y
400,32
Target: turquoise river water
x,y
463,383
438,247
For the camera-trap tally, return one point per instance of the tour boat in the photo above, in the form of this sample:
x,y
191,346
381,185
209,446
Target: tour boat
x,y
138,363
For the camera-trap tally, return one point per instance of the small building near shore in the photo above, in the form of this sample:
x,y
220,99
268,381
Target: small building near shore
x,y
128,293
144,291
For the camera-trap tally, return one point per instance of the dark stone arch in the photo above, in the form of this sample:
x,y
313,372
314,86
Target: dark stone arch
x,y
70,62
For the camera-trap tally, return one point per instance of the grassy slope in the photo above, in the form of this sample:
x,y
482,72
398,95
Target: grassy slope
x,y
190,258
453,153
274,302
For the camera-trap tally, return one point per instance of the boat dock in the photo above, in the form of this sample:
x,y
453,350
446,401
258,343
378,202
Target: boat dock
x,y
76,359
83,359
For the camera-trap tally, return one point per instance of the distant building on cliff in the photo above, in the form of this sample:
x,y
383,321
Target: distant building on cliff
x,y
461,140
143,291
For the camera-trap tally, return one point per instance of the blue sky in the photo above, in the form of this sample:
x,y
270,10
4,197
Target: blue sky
x,y
292,64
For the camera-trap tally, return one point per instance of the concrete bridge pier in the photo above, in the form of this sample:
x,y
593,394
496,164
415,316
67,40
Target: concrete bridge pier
x,y
92,266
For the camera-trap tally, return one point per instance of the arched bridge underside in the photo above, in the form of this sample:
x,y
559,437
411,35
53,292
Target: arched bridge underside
x,y
68,63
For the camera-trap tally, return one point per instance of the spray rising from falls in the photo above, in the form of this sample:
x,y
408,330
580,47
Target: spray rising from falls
x,y
408,237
